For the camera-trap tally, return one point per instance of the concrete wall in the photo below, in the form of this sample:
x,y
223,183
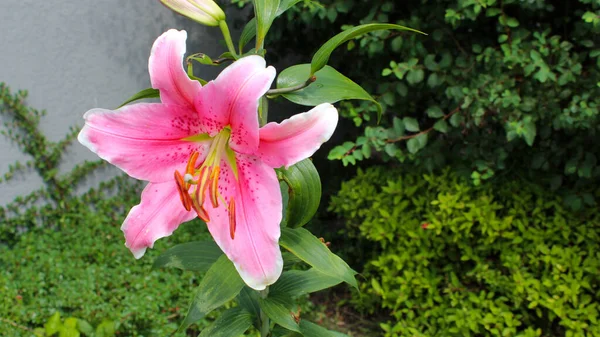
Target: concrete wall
x,y
74,55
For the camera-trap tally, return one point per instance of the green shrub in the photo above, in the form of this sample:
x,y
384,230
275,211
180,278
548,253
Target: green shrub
x,y
495,86
450,259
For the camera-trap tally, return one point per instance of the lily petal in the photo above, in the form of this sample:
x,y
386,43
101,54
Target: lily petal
x,y
157,216
232,98
166,70
254,250
298,137
144,140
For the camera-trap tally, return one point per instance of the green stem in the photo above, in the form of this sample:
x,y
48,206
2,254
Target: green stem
x,y
227,36
281,91
265,328
263,111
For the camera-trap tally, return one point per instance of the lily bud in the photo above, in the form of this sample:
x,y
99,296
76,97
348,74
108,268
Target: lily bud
x,y
206,12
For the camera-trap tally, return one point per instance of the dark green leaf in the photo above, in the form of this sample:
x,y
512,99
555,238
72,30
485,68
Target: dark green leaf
x,y
195,256
265,12
322,55
146,93
411,124
248,300
441,126
232,323
249,31
300,282
414,145
220,285
311,250
330,87
304,192
278,308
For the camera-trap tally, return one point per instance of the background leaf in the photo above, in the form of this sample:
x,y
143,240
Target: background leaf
x,y
265,12
195,256
231,323
311,250
146,93
221,284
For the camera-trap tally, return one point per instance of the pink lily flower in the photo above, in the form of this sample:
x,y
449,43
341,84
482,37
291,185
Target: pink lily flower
x,y
204,155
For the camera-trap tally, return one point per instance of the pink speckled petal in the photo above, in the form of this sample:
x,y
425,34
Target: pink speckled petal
x,y
144,140
254,250
298,137
232,99
166,70
159,213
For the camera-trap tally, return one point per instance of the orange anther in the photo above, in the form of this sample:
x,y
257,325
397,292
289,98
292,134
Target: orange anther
x,y
191,164
183,194
232,223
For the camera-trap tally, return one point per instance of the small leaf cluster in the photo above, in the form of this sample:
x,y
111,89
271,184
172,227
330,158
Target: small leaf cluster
x,y
449,259
495,86
74,327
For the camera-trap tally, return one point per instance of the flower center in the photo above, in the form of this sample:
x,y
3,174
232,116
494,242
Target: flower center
x,y
206,178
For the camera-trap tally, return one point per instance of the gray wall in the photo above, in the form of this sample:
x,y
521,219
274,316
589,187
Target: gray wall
x,y
74,55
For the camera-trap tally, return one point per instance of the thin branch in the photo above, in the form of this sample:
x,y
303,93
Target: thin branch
x,y
15,324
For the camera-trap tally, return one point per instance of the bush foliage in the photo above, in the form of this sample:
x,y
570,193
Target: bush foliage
x,y
62,251
450,259
496,86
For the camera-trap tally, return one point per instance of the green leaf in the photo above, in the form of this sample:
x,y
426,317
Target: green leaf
x,y
330,87
66,331
529,131
70,322
304,192
85,327
146,93
248,300
414,145
311,250
105,329
232,323
277,307
195,256
435,112
311,329
411,124
265,12
299,282
247,35
249,31
322,55
53,324
220,285
441,126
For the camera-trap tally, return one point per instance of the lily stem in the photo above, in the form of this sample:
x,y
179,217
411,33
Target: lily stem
x,y
281,91
265,328
227,36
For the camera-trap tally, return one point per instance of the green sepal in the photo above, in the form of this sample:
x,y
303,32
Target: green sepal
x,y
330,86
311,250
146,93
221,284
195,256
232,323
322,55
304,193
